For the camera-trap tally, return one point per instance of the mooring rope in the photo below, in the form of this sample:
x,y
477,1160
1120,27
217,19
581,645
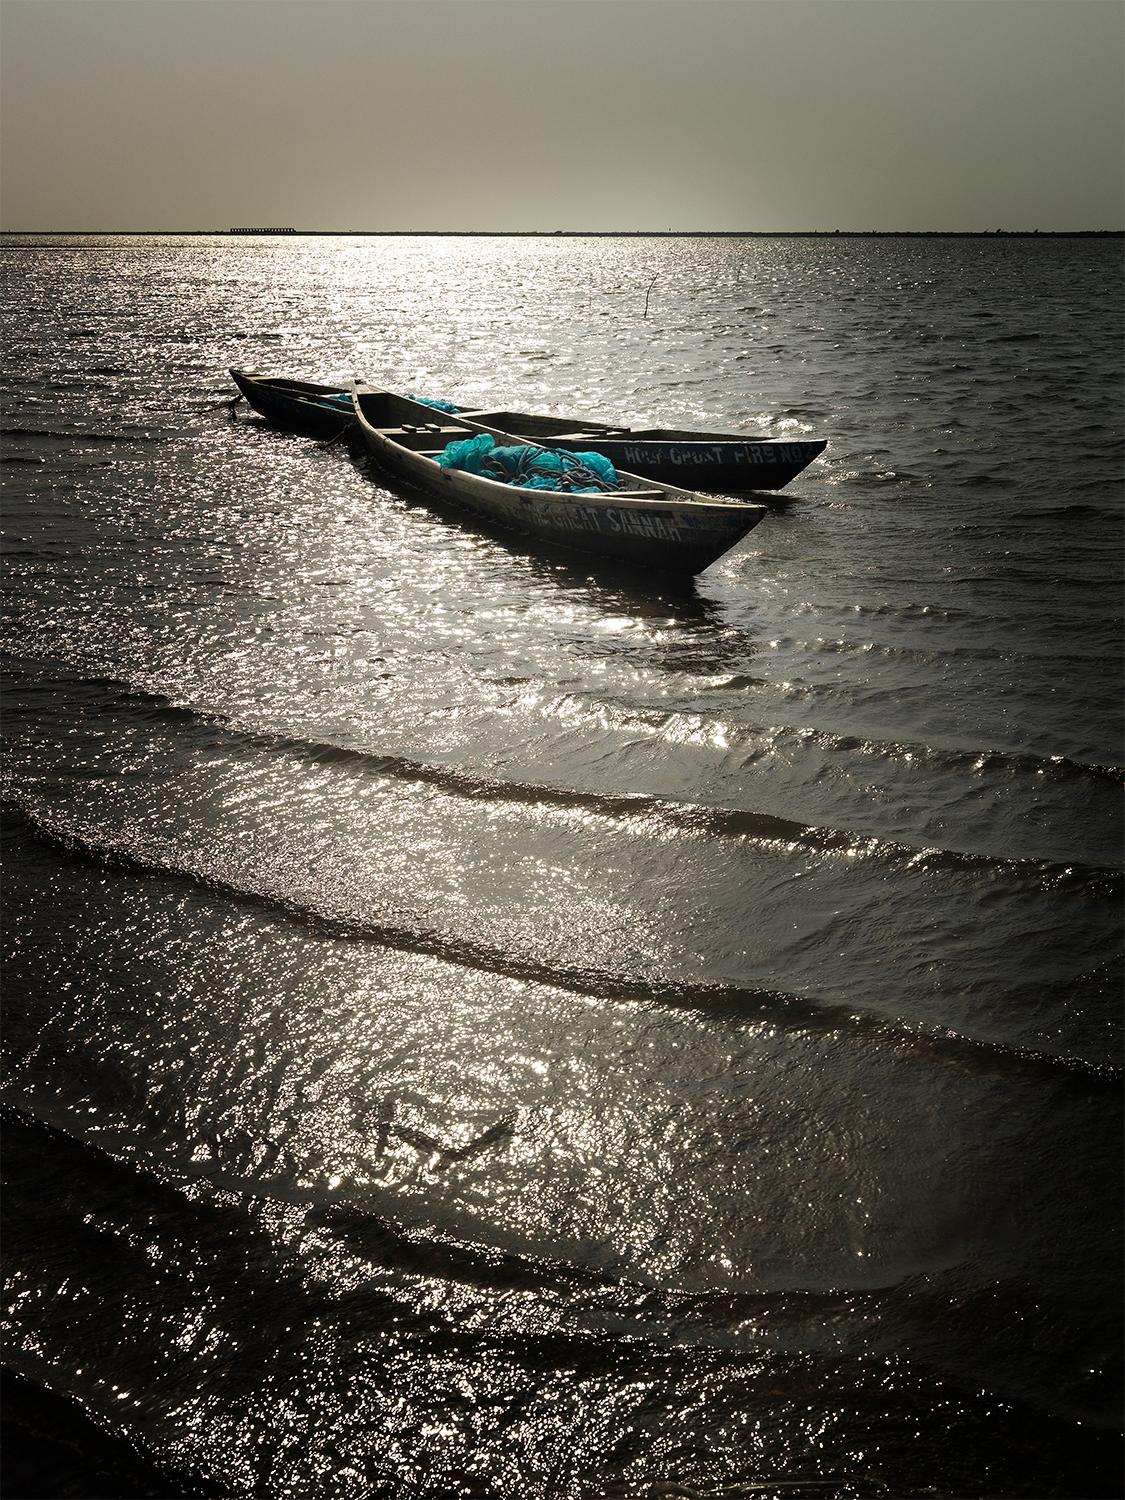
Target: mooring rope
x,y
347,427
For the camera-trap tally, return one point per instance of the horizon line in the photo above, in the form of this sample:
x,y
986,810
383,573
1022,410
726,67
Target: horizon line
x,y
285,232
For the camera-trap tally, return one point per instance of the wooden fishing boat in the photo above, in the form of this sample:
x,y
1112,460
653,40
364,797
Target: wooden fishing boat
x,y
671,455
660,526
300,405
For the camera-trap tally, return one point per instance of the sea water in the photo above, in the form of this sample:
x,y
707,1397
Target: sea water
x,y
479,1024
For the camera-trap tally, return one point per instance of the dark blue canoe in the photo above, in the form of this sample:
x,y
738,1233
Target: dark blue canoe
x,y
670,455
691,460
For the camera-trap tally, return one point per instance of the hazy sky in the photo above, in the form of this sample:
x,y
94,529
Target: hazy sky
x,y
575,114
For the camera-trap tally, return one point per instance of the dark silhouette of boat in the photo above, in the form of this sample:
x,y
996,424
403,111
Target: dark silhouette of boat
x,y
717,461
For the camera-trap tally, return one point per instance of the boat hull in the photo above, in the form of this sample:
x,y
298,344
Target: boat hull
x,y
705,464
666,538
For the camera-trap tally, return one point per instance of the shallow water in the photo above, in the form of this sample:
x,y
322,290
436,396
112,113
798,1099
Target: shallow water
x,y
479,1024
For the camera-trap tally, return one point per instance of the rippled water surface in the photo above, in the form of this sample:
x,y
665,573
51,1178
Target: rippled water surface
x,y
478,1024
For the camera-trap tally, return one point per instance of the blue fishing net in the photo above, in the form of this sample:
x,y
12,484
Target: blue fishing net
x,y
470,454
531,467
433,401
342,399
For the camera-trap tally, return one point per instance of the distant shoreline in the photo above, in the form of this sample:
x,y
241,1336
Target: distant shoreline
x,y
583,234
